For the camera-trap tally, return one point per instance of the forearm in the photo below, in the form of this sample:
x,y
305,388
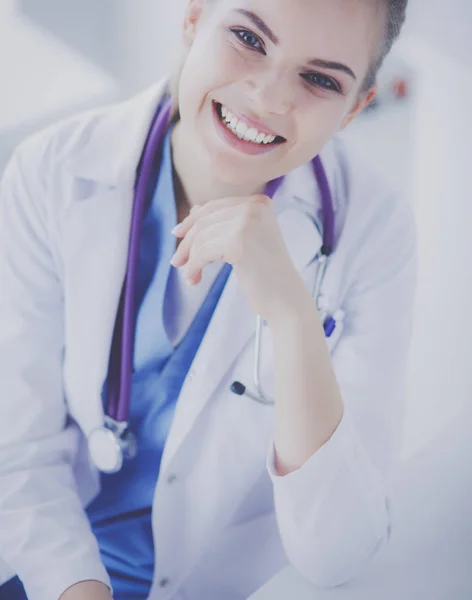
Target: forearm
x,y
87,590
308,404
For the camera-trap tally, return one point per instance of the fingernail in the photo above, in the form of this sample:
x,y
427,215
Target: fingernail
x,y
176,229
175,260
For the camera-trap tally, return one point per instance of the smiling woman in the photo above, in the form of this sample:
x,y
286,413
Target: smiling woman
x,y
300,71
230,182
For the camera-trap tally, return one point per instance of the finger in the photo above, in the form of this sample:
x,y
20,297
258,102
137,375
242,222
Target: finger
x,y
204,210
205,253
183,251
197,230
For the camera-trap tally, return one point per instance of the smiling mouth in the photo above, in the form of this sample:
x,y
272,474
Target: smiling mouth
x,y
245,131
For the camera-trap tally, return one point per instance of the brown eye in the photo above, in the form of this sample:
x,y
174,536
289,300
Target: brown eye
x,y
322,81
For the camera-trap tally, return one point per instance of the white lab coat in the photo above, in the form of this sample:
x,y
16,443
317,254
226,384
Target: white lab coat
x,y
223,521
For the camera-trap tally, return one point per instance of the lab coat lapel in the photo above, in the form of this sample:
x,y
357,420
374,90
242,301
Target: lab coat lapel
x,y
97,270
96,235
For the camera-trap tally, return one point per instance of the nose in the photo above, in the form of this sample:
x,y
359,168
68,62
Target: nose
x,y
270,93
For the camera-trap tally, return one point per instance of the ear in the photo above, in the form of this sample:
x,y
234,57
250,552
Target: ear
x,y
191,19
361,104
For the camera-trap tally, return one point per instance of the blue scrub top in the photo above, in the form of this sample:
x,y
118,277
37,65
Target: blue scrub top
x,y
121,514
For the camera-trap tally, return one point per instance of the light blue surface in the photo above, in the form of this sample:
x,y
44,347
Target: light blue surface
x,y
121,515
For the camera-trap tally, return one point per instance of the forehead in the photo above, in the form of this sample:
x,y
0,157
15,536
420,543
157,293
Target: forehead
x,y
341,30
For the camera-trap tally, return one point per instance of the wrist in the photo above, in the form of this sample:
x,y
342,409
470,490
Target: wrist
x,y
296,312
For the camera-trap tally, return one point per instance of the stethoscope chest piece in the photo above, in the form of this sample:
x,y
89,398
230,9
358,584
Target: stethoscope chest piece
x,y
110,445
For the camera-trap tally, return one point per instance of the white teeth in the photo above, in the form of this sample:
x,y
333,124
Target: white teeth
x,y
251,135
242,130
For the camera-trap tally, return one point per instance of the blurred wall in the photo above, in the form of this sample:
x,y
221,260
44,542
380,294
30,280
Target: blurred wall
x,y
153,41
58,57
440,379
89,26
135,40
445,25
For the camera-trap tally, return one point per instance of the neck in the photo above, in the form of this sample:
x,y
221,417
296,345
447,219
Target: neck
x,y
195,180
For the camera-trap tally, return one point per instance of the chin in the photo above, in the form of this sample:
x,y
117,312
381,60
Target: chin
x,y
235,170
238,169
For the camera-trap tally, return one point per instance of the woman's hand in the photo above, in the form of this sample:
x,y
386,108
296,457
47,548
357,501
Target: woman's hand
x,y
87,590
244,233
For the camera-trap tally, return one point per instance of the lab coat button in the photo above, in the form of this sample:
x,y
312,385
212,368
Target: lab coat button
x,y
172,478
164,582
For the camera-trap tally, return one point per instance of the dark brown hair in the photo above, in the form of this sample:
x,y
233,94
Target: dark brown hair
x,y
395,18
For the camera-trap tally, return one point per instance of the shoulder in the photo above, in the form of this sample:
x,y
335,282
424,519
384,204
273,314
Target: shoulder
x,y
364,195
378,229
375,225
58,143
101,134
371,214
362,198
32,186
38,159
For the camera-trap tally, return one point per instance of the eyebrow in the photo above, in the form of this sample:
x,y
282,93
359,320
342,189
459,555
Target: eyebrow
x,y
316,62
329,64
259,23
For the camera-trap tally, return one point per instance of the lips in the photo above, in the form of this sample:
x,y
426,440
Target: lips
x,y
246,129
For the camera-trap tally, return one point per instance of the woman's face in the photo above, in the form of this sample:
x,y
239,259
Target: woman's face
x,y
285,72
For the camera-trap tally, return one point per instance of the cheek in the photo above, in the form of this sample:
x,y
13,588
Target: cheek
x,y
321,118
315,126
212,65
237,64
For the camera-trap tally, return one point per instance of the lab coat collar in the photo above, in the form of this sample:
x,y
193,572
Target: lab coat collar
x,y
112,153
301,184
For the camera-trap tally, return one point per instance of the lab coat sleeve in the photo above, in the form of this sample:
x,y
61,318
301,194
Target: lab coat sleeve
x,y
334,512
45,536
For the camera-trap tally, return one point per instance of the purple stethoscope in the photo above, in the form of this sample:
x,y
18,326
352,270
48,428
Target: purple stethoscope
x,y
114,442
